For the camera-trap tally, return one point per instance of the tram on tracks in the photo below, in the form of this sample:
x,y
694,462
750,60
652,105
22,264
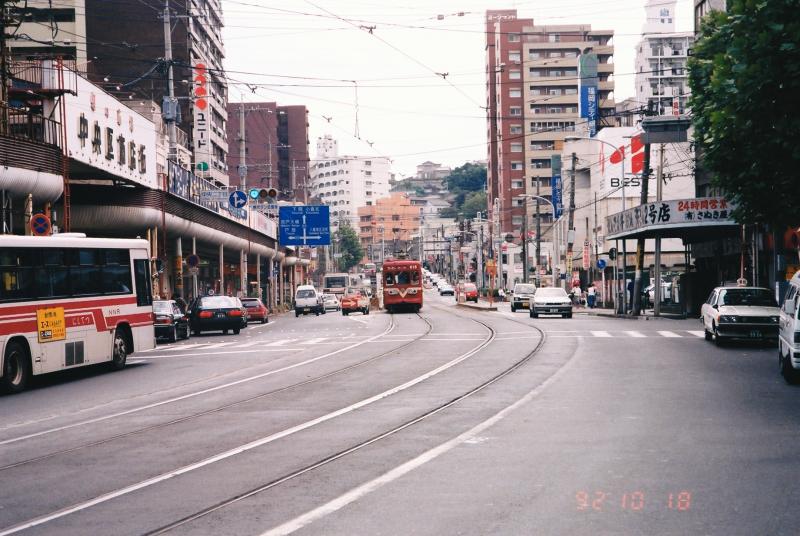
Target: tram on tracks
x,y
402,285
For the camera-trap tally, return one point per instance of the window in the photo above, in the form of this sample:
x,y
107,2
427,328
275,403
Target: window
x,y
515,93
513,38
516,184
515,129
516,147
514,75
540,163
554,38
533,55
514,56
144,293
515,111
516,220
516,166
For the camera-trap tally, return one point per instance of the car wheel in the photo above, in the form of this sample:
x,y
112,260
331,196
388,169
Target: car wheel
x,y
173,334
196,332
224,331
186,333
717,340
236,331
569,315
264,320
513,309
708,335
790,375
316,313
16,368
296,314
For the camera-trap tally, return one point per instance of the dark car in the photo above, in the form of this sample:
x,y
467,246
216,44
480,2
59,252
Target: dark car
x,y
212,313
170,322
256,310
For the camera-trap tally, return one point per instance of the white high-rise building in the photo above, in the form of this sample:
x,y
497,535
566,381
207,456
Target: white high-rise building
x,y
346,183
661,73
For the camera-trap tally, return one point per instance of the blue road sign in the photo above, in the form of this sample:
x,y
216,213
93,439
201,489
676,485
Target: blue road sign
x,y
238,199
304,225
40,225
601,264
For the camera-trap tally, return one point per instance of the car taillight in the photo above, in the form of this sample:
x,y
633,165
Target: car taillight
x,y
162,320
205,314
235,312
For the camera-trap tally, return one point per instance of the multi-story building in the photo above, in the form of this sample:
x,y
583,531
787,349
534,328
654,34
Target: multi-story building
x,y
534,103
276,147
119,45
49,30
346,183
387,227
661,73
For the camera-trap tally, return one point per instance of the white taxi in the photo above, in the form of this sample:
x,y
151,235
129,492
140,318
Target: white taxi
x,y
740,313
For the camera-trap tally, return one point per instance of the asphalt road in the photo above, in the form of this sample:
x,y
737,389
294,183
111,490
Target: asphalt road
x,y
452,421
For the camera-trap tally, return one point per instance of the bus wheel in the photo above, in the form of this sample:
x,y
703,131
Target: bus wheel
x,y
16,368
119,352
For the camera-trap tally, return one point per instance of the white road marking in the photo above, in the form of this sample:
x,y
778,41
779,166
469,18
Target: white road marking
x,y
280,342
697,333
354,319
669,334
182,347
261,326
635,334
314,341
217,345
198,393
243,448
358,492
600,333
249,344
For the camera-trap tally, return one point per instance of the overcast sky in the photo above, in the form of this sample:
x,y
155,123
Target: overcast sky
x,y
310,52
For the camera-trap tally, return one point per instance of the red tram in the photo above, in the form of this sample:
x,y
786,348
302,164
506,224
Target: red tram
x,y
402,285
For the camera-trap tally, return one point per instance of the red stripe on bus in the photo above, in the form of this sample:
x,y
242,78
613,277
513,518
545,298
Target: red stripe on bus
x,y
85,319
68,306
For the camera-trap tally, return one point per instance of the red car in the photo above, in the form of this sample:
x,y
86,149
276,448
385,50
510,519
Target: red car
x,y
354,301
256,310
470,292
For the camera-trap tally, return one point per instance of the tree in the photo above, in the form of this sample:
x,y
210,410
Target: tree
x,y
474,203
349,247
745,80
469,178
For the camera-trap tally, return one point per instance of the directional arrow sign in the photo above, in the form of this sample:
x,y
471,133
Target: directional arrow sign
x,y
238,199
304,225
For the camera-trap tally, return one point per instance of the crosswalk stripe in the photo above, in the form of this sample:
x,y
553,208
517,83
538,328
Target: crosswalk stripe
x,y
217,345
249,344
669,334
182,347
697,333
635,334
600,333
315,341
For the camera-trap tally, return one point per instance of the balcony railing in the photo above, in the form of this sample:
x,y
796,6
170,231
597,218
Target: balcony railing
x,y
21,124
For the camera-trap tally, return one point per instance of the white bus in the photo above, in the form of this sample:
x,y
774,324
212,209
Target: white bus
x,y
70,301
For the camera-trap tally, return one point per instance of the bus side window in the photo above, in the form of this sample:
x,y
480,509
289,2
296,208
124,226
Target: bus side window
x,y
390,279
415,277
144,293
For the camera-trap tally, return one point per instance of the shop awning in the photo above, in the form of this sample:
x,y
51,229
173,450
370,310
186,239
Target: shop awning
x,y
693,220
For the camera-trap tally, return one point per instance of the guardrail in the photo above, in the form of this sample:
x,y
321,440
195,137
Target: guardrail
x,y
19,123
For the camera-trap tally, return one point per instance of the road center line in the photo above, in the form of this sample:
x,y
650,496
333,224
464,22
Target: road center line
x,y
244,448
197,393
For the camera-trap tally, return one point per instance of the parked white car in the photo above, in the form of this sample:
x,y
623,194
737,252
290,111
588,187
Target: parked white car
x,y
740,313
789,333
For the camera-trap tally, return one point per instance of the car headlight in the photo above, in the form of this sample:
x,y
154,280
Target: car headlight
x,y
727,319
773,319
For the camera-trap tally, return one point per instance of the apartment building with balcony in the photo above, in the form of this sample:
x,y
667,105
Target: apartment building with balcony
x,y
661,74
48,29
533,103
387,227
346,182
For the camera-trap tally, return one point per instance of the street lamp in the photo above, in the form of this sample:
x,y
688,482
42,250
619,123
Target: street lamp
x,y
538,237
624,249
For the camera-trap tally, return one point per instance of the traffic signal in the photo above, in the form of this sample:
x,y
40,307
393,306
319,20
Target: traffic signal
x,y
263,195
612,253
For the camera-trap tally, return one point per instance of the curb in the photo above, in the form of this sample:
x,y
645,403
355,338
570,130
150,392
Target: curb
x,y
477,307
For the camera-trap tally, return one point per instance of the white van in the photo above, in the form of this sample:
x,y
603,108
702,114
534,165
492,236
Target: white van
x,y
789,333
307,300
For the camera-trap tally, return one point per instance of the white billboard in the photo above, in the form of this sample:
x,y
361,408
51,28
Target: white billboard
x,y
630,149
105,134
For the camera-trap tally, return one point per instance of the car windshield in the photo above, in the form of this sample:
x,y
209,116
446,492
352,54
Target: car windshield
x,y
748,296
551,293
524,289
213,302
162,306
251,303
308,293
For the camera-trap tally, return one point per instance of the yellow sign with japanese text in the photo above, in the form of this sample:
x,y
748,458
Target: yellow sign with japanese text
x,y
50,324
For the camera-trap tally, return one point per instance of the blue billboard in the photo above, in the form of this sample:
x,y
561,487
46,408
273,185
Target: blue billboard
x,y
304,225
558,203
587,66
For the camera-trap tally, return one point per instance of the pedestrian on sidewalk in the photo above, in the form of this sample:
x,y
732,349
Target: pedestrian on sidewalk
x,y
591,296
576,295
501,293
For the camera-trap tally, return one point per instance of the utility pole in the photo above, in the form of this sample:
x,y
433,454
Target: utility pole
x,y
242,149
173,106
3,71
657,258
636,307
571,220
538,232
525,242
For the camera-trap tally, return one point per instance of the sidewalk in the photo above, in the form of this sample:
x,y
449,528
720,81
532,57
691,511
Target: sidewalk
x,y
482,305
